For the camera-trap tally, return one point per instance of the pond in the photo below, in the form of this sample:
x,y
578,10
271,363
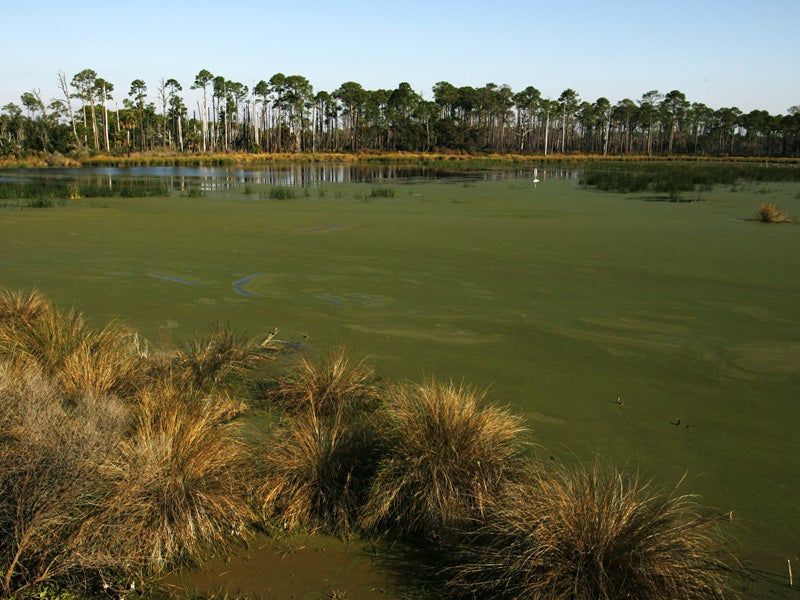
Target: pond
x,y
295,175
663,337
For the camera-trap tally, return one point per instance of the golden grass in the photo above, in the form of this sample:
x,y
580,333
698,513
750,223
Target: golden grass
x,y
216,358
590,534
179,485
82,358
49,477
770,212
316,468
448,454
326,385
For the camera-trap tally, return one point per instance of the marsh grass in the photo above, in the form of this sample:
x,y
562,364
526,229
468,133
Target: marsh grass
x,y
588,534
111,467
331,383
317,469
447,454
769,212
222,356
82,358
48,195
673,180
281,193
50,452
382,191
178,485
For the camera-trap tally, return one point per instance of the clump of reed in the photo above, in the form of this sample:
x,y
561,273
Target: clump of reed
x,y
281,193
447,454
326,384
381,191
220,357
178,484
50,482
769,212
81,357
319,459
115,461
317,469
589,533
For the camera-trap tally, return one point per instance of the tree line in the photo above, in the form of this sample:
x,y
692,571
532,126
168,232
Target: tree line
x,y
285,114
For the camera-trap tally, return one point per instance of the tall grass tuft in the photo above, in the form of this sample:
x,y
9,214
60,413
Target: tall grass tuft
x,y
82,358
381,191
18,308
178,485
588,534
771,213
316,470
215,358
326,385
50,481
281,193
448,454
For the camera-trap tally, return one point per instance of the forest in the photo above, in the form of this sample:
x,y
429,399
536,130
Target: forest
x,y
285,114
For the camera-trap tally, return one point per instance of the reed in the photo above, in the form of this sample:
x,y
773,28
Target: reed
x,y
589,533
317,469
448,454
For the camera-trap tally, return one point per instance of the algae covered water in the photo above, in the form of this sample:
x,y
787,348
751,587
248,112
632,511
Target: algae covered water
x,y
664,337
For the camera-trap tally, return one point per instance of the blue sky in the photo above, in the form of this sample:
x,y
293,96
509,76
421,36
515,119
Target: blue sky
x,y
731,53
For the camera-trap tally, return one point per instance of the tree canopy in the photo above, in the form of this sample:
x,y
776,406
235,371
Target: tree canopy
x,y
285,114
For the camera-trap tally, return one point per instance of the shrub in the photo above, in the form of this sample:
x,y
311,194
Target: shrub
x,y
448,454
589,534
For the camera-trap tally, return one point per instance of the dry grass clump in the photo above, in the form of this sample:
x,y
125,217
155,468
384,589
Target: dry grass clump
x,y
178,485
214,359
317,468
18,307
49,478
82,358
326,385
448,454
589,534
770,212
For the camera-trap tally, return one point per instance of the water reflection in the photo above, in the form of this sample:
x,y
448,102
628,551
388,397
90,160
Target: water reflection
x,y
295,175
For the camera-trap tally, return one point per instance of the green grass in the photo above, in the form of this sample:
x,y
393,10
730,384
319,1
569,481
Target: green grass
x,y
558,299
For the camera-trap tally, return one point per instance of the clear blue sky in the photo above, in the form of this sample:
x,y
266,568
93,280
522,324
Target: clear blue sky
x,y
722,53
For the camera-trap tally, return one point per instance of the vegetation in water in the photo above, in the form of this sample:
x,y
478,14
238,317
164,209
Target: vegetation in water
x,y
119,460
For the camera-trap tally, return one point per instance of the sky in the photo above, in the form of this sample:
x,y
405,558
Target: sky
x,y
721,53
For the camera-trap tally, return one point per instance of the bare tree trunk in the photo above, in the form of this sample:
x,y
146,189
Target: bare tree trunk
x,y
62,83
105,118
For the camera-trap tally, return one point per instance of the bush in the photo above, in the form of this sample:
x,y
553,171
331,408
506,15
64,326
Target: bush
x,y
448,454
589,534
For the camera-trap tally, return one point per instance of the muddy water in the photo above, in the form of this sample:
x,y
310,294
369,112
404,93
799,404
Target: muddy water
x,y
297,567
